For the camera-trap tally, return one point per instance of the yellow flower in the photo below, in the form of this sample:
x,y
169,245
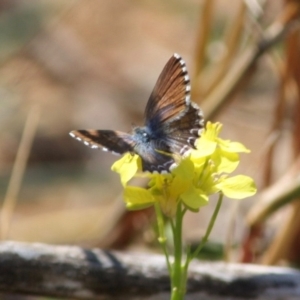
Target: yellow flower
x,y
127,167
205,171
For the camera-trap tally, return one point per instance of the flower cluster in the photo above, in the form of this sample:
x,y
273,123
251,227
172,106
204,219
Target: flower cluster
x,y
205,171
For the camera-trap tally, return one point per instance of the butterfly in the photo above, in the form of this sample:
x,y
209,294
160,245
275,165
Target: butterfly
x,y
173,123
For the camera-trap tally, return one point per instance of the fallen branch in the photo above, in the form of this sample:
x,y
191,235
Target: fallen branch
x,y
74,272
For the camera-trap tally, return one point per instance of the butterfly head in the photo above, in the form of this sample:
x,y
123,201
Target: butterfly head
x,y
141,135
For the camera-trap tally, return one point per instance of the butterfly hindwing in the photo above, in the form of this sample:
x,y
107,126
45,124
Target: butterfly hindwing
x,y
116,141
181,137
183,132
156,161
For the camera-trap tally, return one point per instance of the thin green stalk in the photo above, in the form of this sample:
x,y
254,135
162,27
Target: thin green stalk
x,y
172,225
208,230
162,237
177,280
183,271
186,265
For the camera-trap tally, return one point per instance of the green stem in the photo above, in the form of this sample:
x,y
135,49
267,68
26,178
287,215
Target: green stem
x,y
177,279
208,231
162,237
177,270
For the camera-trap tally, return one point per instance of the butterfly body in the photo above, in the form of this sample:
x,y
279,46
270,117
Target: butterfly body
x,y
172,123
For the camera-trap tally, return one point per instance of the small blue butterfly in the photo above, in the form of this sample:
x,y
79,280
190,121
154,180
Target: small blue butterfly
x,y
172,123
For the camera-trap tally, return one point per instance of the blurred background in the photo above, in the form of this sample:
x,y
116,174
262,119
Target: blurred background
x,y
92,64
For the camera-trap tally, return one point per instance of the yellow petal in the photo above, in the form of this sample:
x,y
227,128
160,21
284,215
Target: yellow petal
x,y
137,198
127,167
204,147
225,162
185,169
194,199
237,187
229,146
178,186
212,131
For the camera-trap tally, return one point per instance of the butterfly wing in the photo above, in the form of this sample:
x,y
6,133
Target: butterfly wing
x,y
173,121
171,94
154,161
116,141
183,132
181,137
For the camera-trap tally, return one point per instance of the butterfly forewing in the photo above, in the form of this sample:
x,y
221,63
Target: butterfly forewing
x,y
171,94
115,141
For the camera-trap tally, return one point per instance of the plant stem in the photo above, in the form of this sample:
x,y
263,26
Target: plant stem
x,y
162,237
178,270
177,278
208,230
